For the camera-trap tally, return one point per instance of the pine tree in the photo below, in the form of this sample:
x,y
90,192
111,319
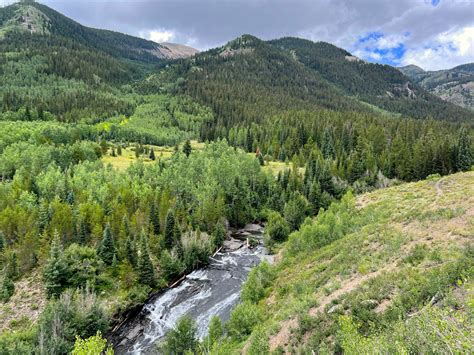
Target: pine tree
x,y
154,219
43,215
8,288
464,159
187,148
106,250
328,145
2,242
13,271
152,154
54,271
131,252
146,273
82,232
169,230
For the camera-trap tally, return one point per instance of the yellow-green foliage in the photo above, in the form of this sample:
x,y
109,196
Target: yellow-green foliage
x,y
92,346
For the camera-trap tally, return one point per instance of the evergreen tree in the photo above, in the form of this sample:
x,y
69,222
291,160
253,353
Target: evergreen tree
x,y
119,150
146,273
82,234
106,250
328,145
464,159
131,252
169,230
8,288
54,272
154,219
2,242
187,148
43,215
12,270
152,154
219,234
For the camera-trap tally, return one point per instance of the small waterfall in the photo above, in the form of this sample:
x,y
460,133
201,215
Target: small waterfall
x,y
211,290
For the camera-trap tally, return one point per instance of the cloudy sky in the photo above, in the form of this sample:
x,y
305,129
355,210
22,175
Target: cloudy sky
x,y
433,34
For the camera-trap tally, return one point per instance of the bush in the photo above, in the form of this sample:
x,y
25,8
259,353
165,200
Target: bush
x,y
243,319
182,339
260,277
296,209
276,230
74,313
91,346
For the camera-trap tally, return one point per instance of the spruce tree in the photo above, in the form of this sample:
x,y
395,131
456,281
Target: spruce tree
x,y
187,148
154,219
464,159
13,271
328,145
169,230
131,252
43,215
8,288
54,271
2,242
146,273
106,250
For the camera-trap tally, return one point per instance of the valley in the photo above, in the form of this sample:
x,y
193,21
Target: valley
x,y
145,187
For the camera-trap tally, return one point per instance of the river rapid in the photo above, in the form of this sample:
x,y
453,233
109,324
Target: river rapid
x,y
208,291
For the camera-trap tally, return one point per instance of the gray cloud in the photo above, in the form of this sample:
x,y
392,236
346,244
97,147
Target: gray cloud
x,y
208,23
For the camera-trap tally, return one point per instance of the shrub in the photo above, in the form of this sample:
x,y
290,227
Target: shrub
x,y
259,278
91,346
277,229
74,313
243,319
182,339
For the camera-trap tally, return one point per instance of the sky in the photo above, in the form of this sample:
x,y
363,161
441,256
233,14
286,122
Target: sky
x,y
433,34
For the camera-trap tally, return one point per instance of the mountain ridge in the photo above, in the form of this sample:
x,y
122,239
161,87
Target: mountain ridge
x,y
455,85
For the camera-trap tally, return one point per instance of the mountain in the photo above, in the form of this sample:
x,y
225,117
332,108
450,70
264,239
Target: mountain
x,y
54,64
379,85
293,72
454,85
34,18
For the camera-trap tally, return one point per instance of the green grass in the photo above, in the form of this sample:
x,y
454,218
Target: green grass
x,y
376,260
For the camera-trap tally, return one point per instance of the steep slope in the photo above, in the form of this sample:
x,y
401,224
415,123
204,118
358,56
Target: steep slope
x,y
35,18
454,85
51,63
379,85
248,81
387,272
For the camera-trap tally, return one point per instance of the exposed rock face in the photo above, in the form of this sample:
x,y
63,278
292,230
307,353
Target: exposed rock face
x,y
174,50
453,85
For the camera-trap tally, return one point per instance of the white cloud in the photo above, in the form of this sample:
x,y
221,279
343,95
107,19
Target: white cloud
x,y
159,36
446,50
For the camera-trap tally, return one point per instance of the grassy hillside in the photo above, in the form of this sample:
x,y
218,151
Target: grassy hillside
x,y
389,271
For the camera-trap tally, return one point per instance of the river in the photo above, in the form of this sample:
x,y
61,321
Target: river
x,y
211,290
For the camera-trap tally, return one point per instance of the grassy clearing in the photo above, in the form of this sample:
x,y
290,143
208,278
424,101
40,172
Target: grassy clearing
x,y
122,162
378,260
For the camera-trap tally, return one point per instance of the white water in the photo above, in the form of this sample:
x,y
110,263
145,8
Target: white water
x,y
213,290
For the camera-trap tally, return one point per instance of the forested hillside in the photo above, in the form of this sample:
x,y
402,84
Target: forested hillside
x,y
120,172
